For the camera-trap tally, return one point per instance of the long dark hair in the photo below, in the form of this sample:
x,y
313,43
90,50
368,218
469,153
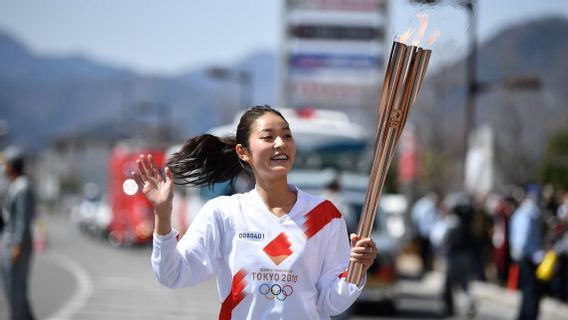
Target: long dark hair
x,y
207,159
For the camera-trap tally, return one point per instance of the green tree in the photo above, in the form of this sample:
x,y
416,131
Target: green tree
x,y
554,165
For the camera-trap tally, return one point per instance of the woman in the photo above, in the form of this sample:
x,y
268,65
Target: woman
x,y
278,253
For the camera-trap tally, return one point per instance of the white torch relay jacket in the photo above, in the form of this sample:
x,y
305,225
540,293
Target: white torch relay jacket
x,y
267,267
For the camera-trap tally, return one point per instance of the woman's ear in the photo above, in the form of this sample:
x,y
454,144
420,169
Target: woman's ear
x,y
242,152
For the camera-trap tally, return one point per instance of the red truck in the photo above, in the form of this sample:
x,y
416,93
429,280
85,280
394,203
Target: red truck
x,y
132,216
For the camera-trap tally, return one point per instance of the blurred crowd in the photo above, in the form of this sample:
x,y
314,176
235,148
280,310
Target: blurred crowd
x,y
517,239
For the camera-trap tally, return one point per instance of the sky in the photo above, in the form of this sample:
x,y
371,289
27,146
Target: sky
x,y
168,37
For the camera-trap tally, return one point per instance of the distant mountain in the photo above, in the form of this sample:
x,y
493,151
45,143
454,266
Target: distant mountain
x,y
46,97
522,119
18,64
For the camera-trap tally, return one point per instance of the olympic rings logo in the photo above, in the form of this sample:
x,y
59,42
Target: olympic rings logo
x,y
270,292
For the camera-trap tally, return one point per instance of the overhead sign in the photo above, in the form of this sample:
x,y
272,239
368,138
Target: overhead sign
x,y
336,32
347,5
331,94
334,53
316,61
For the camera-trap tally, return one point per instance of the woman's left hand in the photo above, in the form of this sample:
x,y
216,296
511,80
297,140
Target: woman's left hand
x,y
363,251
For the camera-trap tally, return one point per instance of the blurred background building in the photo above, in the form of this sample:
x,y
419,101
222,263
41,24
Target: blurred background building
x,y
325,54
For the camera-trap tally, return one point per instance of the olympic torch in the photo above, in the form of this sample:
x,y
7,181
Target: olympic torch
x,y
403,78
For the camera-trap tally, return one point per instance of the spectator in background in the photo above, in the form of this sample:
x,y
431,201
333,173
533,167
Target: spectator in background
x,y
18,213
526,250
481,227
425,213
333,194
550,201
453,235
562,250
562,211
500,237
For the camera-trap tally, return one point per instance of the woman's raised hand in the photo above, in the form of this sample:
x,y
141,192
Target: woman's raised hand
x,y
157,189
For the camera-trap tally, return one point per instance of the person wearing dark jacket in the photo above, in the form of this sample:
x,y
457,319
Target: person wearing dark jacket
x,y
18,213
453,234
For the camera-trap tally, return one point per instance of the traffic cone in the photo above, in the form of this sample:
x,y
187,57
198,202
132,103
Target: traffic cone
x,y
513,280
40,235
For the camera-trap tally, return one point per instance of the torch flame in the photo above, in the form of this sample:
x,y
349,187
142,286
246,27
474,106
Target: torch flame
x,y
433,37
406,35
423,20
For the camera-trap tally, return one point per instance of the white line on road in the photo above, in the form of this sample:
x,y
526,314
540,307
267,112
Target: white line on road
x,y
84,286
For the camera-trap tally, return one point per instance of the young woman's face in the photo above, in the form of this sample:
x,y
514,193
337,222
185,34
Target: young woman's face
x,y
272,149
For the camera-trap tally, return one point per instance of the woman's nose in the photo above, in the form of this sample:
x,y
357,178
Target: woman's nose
x,y
278,142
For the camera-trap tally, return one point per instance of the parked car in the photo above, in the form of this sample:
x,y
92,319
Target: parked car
x,y
92,214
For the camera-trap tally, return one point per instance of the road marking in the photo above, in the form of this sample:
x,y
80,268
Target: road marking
x,y
84,286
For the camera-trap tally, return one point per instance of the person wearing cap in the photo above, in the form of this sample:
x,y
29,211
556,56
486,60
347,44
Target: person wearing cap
x,y
527,250
18,213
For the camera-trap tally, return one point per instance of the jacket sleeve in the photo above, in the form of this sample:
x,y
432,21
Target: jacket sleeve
x,y
24,207
517,235
195,257
336,294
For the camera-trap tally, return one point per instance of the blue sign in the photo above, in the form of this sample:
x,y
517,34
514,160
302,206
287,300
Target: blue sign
x,y
317,61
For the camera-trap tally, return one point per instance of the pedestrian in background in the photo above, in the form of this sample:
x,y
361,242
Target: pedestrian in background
x,y
277,252
333,194
500,237
424,215
561,279
481,231
18,214
562,211
453,235
527,251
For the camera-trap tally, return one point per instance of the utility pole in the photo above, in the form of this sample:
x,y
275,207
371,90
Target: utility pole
x,y
471,76
471,70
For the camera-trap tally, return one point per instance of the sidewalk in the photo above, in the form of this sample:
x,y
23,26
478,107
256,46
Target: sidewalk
x,y
550,308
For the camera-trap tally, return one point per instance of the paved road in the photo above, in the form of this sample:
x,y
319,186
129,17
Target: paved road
x,y
84,278
420,299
